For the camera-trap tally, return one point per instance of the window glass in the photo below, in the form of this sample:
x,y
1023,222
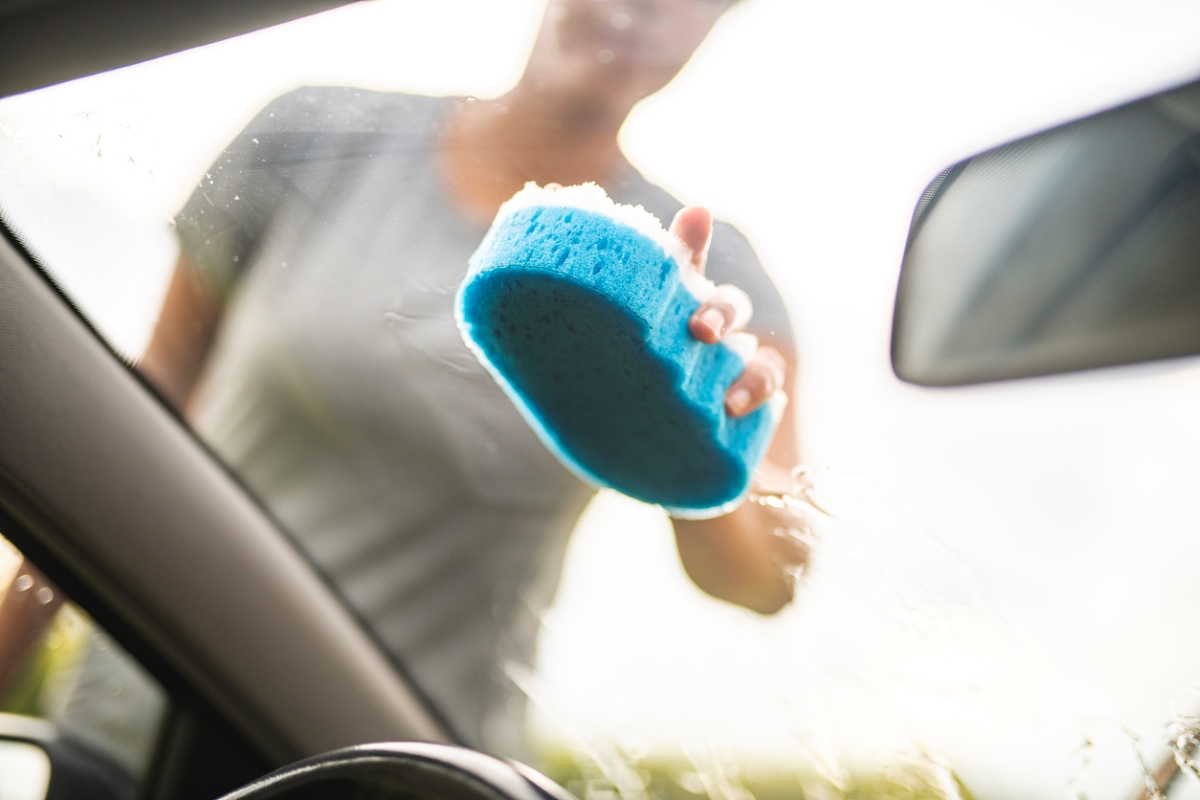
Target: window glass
x,y
992,585
65,680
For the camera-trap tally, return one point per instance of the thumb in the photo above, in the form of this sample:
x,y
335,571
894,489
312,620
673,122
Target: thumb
x,y
693,226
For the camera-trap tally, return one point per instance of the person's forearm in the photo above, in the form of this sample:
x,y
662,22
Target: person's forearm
x,y
182,336
27,608
741,557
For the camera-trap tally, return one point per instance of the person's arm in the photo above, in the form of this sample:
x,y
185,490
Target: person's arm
x,y
740,557
27,610
182,336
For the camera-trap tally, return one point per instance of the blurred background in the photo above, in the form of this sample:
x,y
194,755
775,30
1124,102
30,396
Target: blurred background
x,y
1004,589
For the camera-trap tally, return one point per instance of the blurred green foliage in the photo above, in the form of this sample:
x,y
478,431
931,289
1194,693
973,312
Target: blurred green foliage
x,y
665,779
52,663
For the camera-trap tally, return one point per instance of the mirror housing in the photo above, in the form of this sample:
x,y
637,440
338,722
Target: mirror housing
x,y
25,766
24,770
37,763
1071,249
413,770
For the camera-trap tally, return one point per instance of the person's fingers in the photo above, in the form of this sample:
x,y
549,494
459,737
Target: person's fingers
x,y
693,226
729,309
763,376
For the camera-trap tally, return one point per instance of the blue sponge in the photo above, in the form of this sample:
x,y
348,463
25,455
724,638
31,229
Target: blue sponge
x,y
579,308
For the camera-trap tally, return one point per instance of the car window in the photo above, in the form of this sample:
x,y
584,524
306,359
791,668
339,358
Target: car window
x,y
109,727
102,711
992,585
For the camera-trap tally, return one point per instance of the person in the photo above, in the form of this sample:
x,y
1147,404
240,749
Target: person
x,y
307,334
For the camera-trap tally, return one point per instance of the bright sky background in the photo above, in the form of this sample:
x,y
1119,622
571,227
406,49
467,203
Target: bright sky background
x,y
1012,567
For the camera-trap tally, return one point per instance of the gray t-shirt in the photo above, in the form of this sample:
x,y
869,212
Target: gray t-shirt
x,y
339,388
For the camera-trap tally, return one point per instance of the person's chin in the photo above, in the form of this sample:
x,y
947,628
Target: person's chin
x,y
584,73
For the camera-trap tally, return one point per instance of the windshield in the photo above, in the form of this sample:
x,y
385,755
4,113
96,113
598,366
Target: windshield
x,y
981,591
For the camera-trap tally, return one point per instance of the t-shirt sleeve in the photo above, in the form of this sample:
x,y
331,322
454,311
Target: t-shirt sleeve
x,y
223,221
293,150
731,259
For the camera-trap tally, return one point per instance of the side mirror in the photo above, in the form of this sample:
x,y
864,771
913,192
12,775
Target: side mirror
x,y
1070,249
24,771
38,764
24,762
412,770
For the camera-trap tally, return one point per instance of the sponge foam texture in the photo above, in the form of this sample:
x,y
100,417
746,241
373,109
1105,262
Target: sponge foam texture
x,y
579,308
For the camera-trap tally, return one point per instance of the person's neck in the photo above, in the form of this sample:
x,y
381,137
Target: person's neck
x,y
491,148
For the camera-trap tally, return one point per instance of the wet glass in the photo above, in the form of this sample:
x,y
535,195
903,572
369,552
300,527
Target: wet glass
x,y
998,590
65,683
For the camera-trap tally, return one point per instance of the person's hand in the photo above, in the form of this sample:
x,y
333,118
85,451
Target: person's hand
x,y
728,310
753,555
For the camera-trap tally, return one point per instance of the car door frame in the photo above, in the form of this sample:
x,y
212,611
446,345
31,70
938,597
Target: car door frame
x,y
107,490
